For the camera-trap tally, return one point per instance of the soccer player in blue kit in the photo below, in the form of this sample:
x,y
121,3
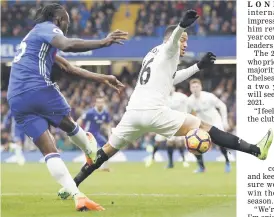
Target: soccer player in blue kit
x,y
36,102
94,119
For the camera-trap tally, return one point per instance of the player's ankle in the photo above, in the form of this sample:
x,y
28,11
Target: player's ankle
x,y
255,150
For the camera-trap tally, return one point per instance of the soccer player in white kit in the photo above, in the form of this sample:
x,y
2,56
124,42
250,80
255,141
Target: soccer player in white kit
x,y
176,101
148,110
204,105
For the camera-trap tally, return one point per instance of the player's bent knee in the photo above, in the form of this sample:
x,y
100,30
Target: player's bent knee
x,y
191,122
116,142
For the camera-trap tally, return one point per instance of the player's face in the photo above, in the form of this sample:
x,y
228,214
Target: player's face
x,y
195,88
100,104
183,44
64,23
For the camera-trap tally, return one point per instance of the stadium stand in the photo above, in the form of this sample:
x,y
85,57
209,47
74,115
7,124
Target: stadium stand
x,y
142,19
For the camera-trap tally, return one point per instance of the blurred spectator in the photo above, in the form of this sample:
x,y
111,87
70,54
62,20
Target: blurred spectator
x,y
216,17
18,17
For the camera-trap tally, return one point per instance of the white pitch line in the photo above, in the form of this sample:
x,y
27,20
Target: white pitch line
x,y
125,194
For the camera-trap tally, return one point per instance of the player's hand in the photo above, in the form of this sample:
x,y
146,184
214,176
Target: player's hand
x,y
207,60
116,37
113,82
189,18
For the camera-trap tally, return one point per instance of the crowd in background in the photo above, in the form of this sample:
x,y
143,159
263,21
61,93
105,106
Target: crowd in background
x,y
18,17
216,17
81,95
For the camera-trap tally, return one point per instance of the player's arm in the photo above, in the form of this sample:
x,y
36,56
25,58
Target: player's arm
x,y
172,43
219,104
184,74
79,45
207,60
82,120
109,80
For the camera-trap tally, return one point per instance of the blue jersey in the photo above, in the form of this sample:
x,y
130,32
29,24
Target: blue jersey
x,y
93,119
31,67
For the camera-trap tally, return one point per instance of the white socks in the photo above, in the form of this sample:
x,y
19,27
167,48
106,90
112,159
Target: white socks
x,y
79,137
59,171
18,153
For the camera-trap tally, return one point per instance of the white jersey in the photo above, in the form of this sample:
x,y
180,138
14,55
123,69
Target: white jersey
x,y
148,109
205,107
178,101
155,80
159,74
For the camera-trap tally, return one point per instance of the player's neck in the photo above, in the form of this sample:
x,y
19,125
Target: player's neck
x,y
99,111
197,95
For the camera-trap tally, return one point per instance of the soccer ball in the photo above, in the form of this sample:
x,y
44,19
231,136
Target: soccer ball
x,y
197,141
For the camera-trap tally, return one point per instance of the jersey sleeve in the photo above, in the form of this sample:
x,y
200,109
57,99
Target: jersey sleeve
x,y
183,74
173,43
49,31
87,116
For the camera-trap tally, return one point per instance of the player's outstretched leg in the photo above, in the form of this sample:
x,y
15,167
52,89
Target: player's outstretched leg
x,y
201,165
227,140
101,140
102,156
84,140
227,162
60,173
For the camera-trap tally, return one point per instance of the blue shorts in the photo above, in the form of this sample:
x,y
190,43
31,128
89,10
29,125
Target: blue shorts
x,y
101,140
35,110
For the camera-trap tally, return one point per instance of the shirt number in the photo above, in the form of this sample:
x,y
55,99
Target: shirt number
x,y
145,72
21,50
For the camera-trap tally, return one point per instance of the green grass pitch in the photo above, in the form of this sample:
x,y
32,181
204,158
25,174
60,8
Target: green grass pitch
x,y
130,190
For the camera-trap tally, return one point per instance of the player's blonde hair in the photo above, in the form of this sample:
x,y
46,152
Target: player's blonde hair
x,y
195,80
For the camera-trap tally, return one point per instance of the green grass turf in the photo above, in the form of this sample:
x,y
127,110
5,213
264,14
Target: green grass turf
x,y
131,190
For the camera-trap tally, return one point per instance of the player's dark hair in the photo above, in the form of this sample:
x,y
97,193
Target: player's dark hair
x,y
170,29
47,13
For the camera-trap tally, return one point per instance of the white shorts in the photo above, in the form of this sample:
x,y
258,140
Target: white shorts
x,y
135,123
